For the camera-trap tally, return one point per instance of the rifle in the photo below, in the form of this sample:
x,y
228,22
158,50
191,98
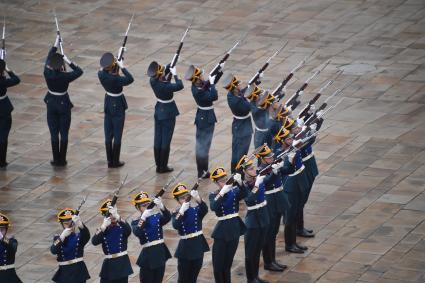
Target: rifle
x,y
194,188
116,194
121,52
304,112
83,201
3,41
59,34
292,102
278,93
167,73
256,78
218,69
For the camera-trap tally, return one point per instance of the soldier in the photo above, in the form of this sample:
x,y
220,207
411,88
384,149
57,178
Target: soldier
x,y
276,203
8,247
165,113
205,94
115,105
187,220
113,235
69,248
148,229
6,109
278,113
293,186
241,125
225,203
57,101
257,218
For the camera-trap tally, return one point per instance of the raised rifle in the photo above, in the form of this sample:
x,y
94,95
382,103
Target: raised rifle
x,y
194,188
121,52
77,211
3,41
256,78
293,101
116,194
278,93
167,73
59,34
304,112
218,69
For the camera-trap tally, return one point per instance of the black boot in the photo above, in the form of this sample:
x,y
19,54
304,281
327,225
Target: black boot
x,y
291,239
301,231
163,156
55,152
62,153
156,153
273,267
283,266
199,165
3,153
116,150
108,147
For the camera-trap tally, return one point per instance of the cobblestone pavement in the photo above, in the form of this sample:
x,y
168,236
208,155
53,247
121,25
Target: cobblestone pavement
x,y
367,206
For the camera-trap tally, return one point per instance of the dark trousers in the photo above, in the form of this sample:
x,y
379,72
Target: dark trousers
x,y
240,146
292,216
269,249
59,123
122,280
223,253
189,270
261,138
114,126
164,130
5,126
148,275
254,242
204,137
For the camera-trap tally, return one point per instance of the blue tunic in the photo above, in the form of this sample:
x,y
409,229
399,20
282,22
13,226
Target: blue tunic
x,y
165,91
7,257
204,98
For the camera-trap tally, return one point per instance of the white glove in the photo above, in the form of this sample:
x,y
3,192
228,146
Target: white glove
x,y
276,167
66,59
300,122
185,206
238,179
121,64
195,195
259,180
1,236
212,79
225,190
284,89
261,75
158,202
319,113
65,233
106,222
312,108
291,156
313,127
146,214
7,68
296,142
301,93
122,50
222,65
114,212
77,220
173,71
57,41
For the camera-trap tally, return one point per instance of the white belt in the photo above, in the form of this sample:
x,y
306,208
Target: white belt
x,y
308,156
57,93
298,171
191,235
72,261
257,206
6,267
116,255
261,130
3,97
206,108
165,101
153,243
228,216
114,94
278,189
242,117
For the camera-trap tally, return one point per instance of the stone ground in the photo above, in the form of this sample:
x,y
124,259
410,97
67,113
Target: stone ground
x,y
367,206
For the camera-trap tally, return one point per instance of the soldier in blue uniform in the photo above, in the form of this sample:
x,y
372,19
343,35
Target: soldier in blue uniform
x,y
187,220
241,125
6,109
8,247
205,94
276,203
257,219
69,248
57,101
115,105
113,236
165,113
278,113
148,228
225,203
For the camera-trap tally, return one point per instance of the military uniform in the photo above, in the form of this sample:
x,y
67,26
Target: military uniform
x,y
8,248
58,103
115,106
228,229
6,109
192,245
260,102
154,253
165,115
69,254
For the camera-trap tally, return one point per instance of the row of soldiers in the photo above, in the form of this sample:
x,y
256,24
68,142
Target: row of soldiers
x,y
275,189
